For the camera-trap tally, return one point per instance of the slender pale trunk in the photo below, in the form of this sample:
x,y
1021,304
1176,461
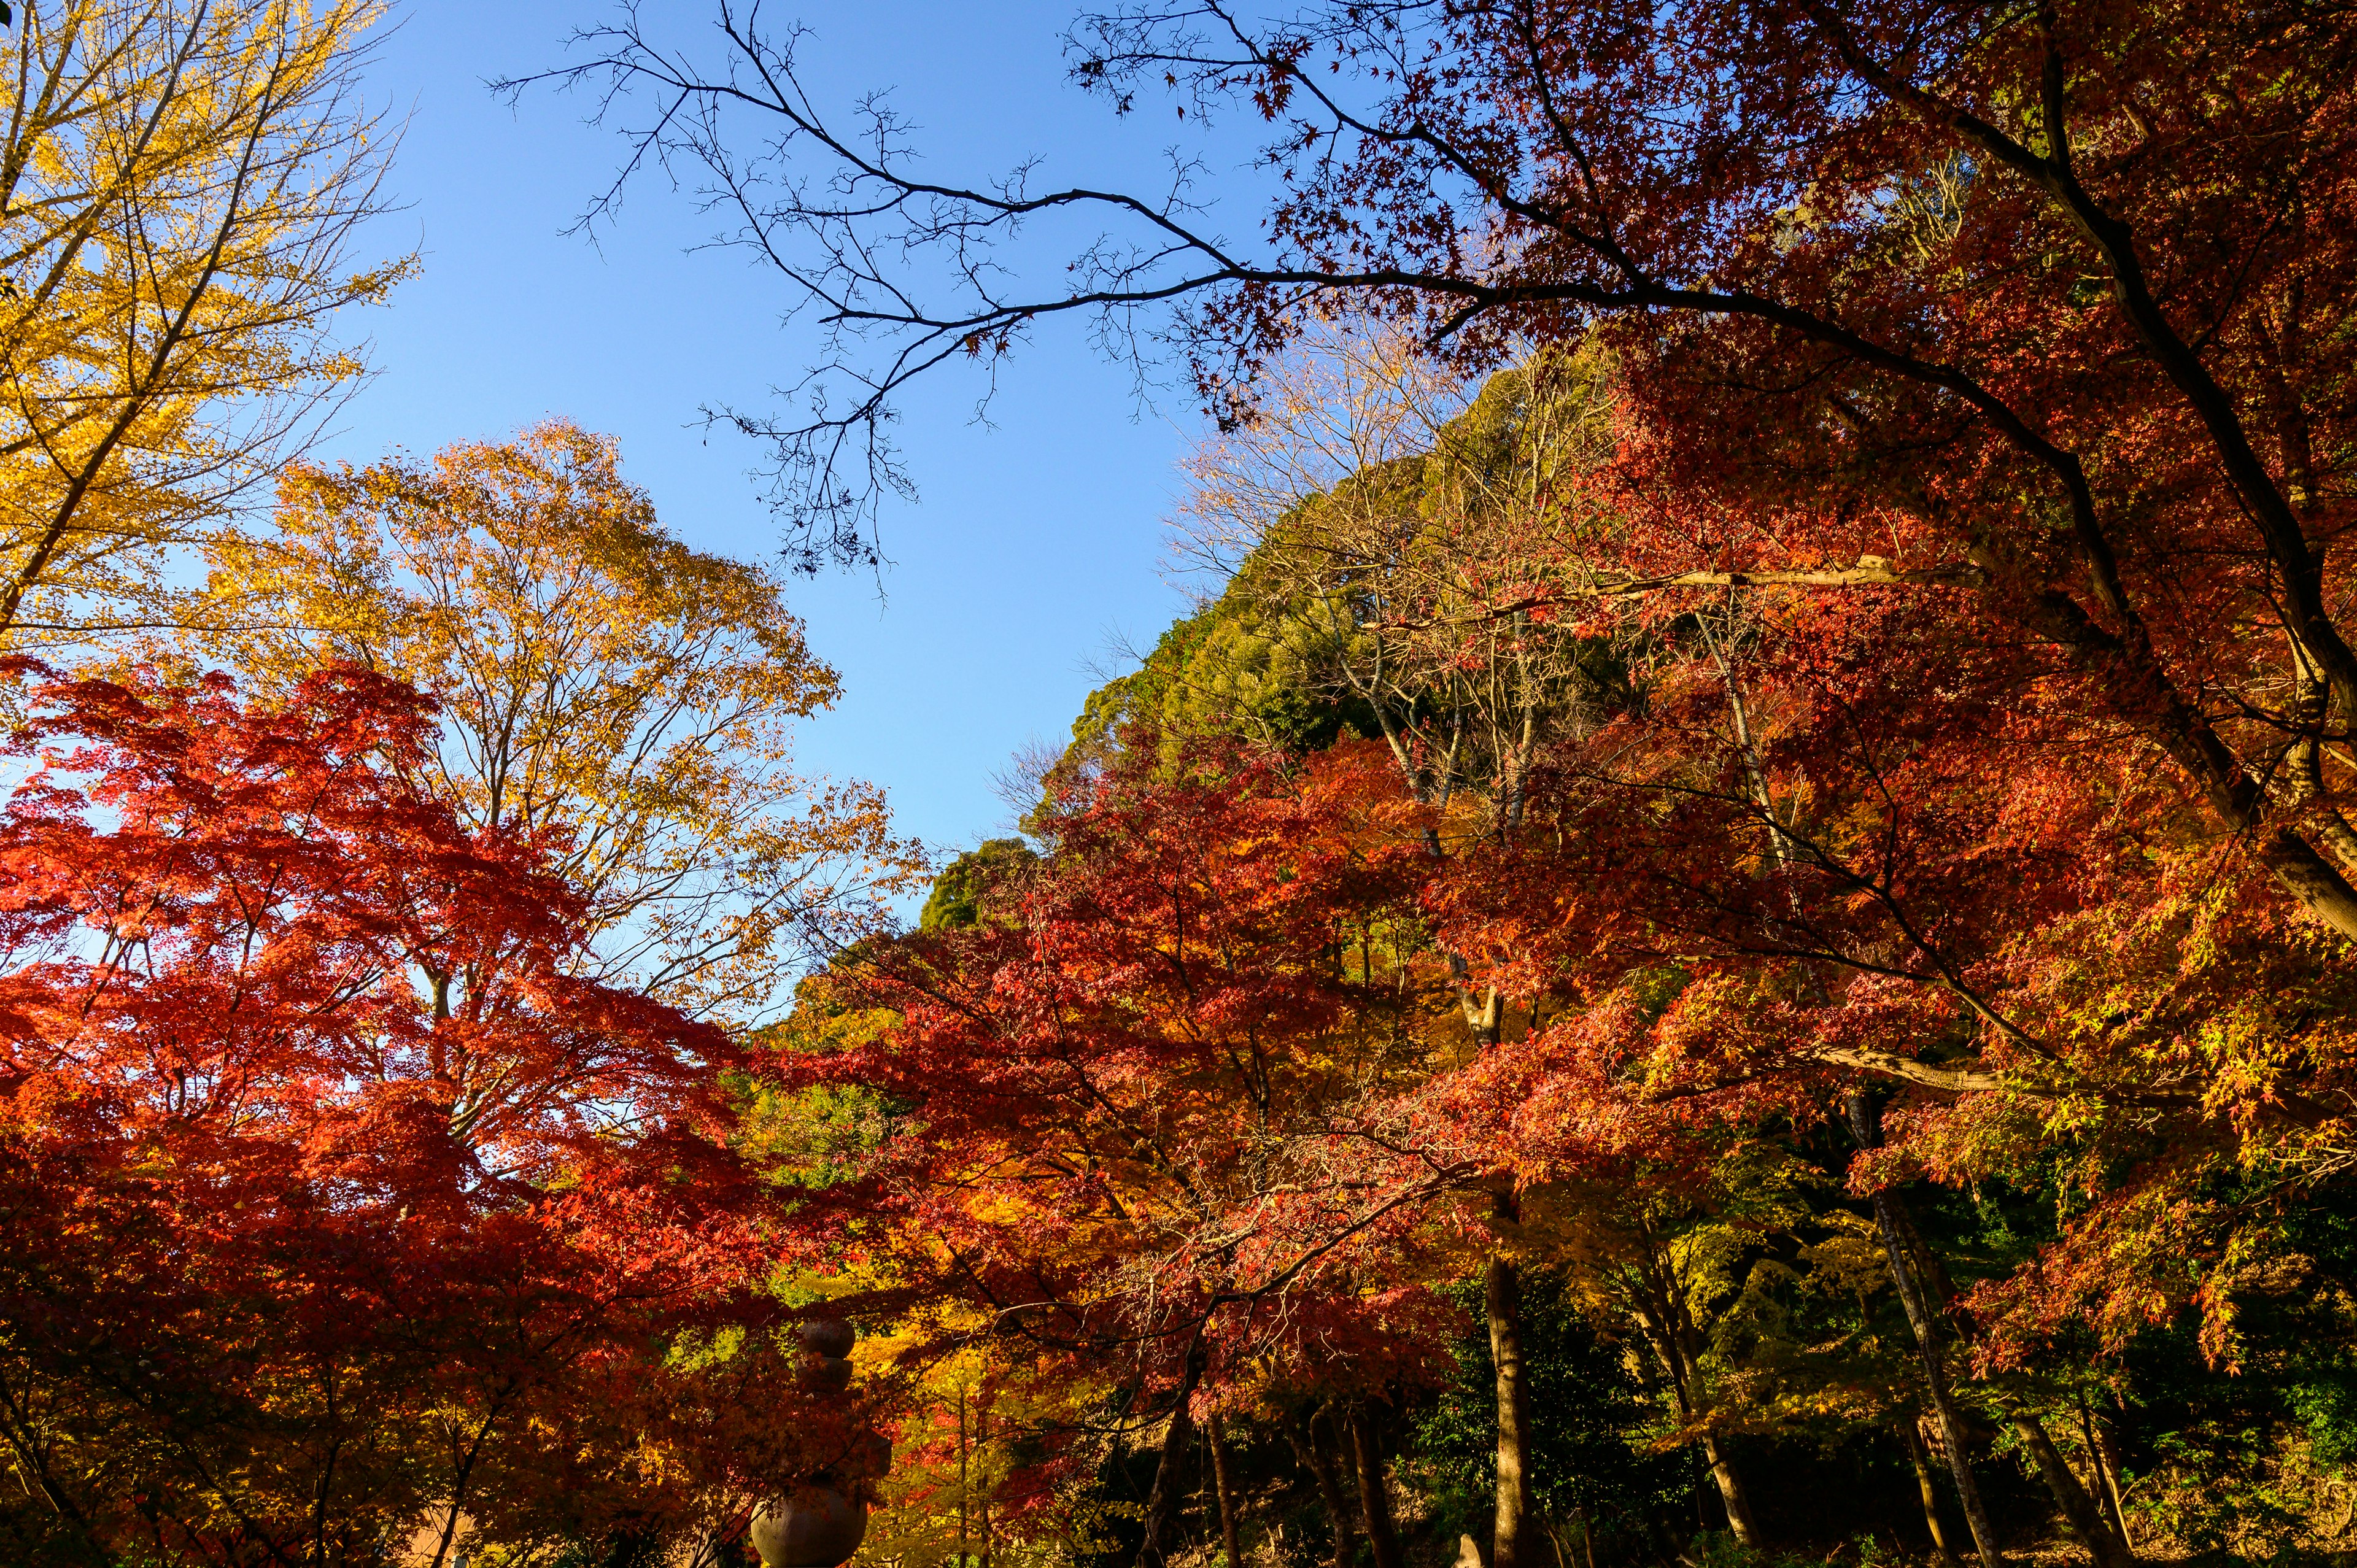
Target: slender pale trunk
x,y
1732,1495
981,1504
2079,1510
1502,1297
1730,1492
1865,1124
1162,1503
2105,1457
1916,1456
1226,1488
1674,1335
1374,1497
1313,1454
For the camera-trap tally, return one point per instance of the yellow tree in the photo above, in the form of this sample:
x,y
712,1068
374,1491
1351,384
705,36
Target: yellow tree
x,y
598,679
179,185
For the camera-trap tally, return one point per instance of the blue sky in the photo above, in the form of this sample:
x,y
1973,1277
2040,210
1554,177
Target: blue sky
x,y
1035,543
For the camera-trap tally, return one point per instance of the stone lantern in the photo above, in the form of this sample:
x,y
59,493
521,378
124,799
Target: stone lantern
x,y
822,1522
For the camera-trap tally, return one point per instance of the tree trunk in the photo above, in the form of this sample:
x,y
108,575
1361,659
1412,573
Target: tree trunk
x,y
1162,1503
981,1504
1501,1296
1731,1492
1667,1323
2086,1520
1916,1456
1865,1123
1226,1489
1313,1454
2105,1457
1374,1497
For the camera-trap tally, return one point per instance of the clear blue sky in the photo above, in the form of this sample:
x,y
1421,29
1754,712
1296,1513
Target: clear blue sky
x,y
1034,542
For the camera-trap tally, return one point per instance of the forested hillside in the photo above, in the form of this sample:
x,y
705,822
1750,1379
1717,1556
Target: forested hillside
x,y
1746,1062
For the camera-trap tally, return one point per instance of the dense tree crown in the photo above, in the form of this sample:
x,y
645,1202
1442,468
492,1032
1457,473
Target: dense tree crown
x,y
332,1197
180,181
595,676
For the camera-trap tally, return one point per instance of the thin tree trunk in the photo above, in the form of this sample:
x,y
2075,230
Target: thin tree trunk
x,y
1220,1477
1313,1454
2110,1446
2079,1510
320,1496
1916,1456
981,1453
1502,1297
1731,1492
2105,1459
1670,1330
1169,1491
1865,1123
1374,1498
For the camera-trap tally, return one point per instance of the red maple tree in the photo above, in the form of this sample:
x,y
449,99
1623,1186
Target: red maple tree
x,y
330,1200
1144,1110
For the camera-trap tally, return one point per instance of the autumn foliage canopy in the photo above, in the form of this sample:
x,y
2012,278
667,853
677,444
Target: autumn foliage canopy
x,y
1756,831
320,1170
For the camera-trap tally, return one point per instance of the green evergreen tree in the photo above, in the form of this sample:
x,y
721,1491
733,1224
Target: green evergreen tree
x,y
958,891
